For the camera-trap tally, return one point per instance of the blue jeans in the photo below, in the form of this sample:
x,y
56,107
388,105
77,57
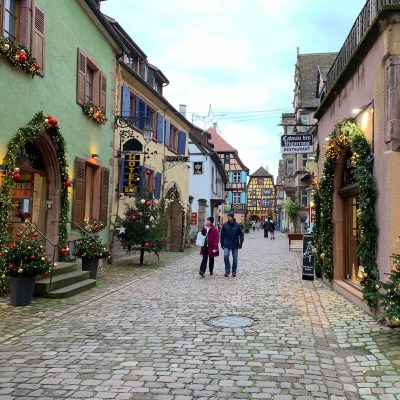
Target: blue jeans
x,y
235,260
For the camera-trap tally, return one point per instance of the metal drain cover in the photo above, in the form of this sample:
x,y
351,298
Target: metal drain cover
x,y
231,321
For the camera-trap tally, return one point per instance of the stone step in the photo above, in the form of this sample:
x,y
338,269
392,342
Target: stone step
x,y
58,281
60,268
71,290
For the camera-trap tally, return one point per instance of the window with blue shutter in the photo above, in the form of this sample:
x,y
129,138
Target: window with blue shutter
x,y
231,177
230,197
167,132
157,191
160,125
181,142
243,198
126,101
243,177
137,112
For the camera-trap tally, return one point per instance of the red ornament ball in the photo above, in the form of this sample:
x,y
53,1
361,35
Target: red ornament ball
x,y
14,246
133,218
45,273
146,244
9,172
67,183
148,203
16,176
19,234
63,251
148,172
33,257
35,234
10,266
22,58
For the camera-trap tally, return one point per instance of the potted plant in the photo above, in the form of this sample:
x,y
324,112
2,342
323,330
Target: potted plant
x,y
22,258
292,211
90,248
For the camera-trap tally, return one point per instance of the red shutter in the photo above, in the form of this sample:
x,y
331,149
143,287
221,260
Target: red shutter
x,y
81,78
78,208
103,90
38,34
105,177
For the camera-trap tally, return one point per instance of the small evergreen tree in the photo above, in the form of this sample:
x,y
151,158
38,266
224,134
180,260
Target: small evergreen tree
x,y
292,211
390,299
143,226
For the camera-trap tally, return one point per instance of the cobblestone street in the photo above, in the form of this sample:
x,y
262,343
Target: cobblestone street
x,y
144,333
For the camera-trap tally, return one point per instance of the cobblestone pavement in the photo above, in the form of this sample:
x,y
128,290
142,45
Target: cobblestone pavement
x,y
144,333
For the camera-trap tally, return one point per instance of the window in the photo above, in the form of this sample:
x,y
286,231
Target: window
x,y
260,181
90,195
266,203
143,69
253,203
304,161
289,168
236,177
235,198
174,138
89,85
304,121
9,16
212,178
91,81
303,197
253,193
25,25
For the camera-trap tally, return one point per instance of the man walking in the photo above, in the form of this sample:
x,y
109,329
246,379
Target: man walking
x,y
231,239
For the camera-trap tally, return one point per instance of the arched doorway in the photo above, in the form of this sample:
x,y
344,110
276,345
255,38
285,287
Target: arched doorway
x,y
36,195
350,197
174,216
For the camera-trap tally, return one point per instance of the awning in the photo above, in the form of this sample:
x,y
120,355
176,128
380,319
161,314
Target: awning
x,y
217,202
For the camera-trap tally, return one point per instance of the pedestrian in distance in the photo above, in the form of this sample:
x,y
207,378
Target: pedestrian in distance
x,y
210,248
258,226
271,228
253,225
231,241
266,229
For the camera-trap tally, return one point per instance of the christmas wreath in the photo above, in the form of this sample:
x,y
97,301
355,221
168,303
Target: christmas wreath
x,y
348,135
39,124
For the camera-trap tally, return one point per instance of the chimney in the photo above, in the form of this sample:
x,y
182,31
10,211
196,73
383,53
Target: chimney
x,y
182,109
215,126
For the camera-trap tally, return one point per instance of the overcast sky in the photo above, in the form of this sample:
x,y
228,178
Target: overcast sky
x,y
237,56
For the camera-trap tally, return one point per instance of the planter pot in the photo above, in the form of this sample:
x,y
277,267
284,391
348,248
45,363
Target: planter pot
x,y
91,265
21,290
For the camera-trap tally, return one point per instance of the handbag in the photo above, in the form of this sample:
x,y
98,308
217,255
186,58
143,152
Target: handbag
x,y
200,240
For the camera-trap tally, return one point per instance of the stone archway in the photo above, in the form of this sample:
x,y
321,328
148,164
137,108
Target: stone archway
x,y
175,218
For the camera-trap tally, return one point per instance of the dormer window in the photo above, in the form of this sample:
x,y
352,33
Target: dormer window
x,y
143,69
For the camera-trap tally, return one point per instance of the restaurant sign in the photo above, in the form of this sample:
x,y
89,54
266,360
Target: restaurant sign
x,y
300,143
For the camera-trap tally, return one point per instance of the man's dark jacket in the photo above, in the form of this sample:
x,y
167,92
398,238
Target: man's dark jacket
x,y
231,235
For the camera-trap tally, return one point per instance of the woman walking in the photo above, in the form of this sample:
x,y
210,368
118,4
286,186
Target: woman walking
x,y
271,228
210,248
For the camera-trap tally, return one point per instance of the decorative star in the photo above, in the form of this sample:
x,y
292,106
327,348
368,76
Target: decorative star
x,y
210,118
121,229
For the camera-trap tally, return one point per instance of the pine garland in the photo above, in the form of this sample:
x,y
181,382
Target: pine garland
x,y
36,127
348,135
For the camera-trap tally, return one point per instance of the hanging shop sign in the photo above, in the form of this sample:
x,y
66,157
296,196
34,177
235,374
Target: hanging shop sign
x,y
193,218
130,173
176,158
300,143
198,168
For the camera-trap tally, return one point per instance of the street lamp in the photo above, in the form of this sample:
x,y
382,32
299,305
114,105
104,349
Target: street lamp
x,y
147,133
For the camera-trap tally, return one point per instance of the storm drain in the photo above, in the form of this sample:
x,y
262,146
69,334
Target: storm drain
x,y
231,321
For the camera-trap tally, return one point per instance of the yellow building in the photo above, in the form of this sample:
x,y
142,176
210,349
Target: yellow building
x,y
150,135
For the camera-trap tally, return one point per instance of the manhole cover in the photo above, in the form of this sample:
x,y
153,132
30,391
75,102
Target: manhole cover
x,y
231,321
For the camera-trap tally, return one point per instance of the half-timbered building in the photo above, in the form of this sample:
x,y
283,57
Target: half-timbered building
x,y
261,195
237,173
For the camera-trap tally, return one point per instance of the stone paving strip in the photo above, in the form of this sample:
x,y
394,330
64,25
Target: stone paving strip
x,y
148,335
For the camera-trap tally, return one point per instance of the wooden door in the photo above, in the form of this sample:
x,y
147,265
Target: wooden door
x,y
351,239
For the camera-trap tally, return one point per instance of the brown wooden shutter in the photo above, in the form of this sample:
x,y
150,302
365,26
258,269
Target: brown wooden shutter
x,y
78,208
103,90
105,177
25,24
81,78
38,37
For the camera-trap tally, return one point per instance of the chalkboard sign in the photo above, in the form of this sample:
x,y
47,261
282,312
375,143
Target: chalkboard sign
x,y
308,257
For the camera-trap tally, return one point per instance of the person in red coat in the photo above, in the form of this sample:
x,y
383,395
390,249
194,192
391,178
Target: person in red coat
x,y
210,248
